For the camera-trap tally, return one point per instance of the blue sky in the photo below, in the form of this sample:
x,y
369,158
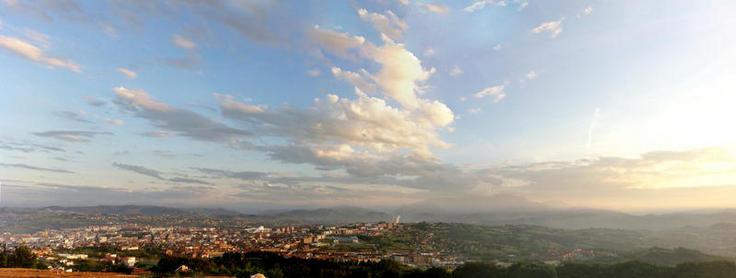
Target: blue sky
x,y
269,104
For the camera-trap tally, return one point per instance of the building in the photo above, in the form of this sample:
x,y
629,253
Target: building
x,y
128,261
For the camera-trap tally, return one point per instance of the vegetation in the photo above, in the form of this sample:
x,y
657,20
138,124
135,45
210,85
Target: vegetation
x,y
274,266
19,257
520,243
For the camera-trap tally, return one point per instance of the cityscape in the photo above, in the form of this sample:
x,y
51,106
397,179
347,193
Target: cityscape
x,y
367,138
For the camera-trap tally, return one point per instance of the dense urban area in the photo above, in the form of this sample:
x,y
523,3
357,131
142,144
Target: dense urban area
x,y
198,244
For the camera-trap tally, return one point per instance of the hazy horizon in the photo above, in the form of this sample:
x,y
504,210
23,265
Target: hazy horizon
x,y
464,105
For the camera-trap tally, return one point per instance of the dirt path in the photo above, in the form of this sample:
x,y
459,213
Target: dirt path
x,y
35,273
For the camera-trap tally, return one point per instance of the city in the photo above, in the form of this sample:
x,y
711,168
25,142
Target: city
x,y
367,138
337,243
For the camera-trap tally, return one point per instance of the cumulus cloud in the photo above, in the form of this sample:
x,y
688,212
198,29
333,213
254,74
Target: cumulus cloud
x,y
366,122
400,77
553,28
401,72
388,23
32,52
361,80
180,121
496,92
128,73
71,135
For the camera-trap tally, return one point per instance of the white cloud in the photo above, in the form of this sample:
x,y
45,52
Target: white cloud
x,y
183,42
314,72
31,52
178,121
366,123
388,24
554,28
474,110
110,31
117,122
480,4
497,92
400,75
400,72
361,80
456,71
128,73
522,5
229,103
588,10
531,75
336,43
140,98
71,135
37,37
497,47
429,51
435,8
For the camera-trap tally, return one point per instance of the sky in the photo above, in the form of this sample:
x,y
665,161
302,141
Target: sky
x,y
256,105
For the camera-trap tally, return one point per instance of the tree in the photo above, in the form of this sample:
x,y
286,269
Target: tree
x,y
528,270
23,257
477,270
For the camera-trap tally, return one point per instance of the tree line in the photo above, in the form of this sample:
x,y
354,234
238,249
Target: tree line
x,y
275,266
19,257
